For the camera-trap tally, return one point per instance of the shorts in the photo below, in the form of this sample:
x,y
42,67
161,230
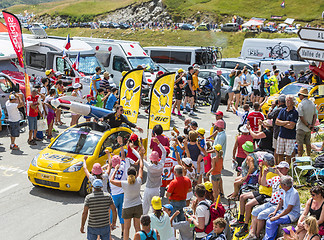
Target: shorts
x,y
237,92
202,166
256,92
103,232
285,146
262,212
132,212
32,123
260,197
50,117
303,137
274,143
188,92
239,161
178,94
244,91
262,93
230,90
14,129
216,177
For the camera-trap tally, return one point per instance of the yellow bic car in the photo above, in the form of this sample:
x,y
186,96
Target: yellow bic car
x,y
59,165
293,89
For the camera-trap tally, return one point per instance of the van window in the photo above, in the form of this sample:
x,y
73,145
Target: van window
x,y
104,58
5,85
180,58
64,67
36,60
160,56
120,64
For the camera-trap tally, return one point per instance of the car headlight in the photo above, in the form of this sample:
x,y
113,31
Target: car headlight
x,y
74,168
34,161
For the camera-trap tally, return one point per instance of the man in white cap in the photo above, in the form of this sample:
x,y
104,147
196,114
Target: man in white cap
x,y
306,121
14,117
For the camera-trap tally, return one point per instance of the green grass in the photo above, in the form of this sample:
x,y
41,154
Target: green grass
x,y
230,42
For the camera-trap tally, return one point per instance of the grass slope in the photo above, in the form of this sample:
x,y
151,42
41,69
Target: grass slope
x,y
304,10
230,42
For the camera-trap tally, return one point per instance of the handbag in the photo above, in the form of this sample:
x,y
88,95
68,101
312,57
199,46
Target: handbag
x,y
41,125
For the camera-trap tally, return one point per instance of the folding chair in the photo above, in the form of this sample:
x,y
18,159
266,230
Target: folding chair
x,y
302,168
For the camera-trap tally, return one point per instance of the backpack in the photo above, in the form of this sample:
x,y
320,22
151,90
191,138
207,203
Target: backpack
x,y
149,237
319,161
213,214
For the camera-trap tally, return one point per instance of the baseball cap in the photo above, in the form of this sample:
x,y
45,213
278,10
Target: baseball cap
x,y
218,147
248,146
180,70
219,72
48,72
97,183
154,157
168,206
219,113
134,137
76,85
89,96
177,167
187,161
131,171
58,73
167,149
287,72
115,160
283,164
96,169
201,131
209,186
144,65
156,203
12,97
267,71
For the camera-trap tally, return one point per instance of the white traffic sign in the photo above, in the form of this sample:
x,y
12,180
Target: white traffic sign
x,y
313,54
311,34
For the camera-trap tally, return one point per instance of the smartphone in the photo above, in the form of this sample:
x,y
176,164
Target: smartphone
x,y
270,169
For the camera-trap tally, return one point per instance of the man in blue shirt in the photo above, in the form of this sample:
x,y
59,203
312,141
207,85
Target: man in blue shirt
x,y
95,82
287,211
112,99
287,120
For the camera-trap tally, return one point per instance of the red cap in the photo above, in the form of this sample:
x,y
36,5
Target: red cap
x,y
220,113
133,137
89,96
160,72
167,150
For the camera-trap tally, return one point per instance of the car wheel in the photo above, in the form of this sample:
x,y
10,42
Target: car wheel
x,y
85,188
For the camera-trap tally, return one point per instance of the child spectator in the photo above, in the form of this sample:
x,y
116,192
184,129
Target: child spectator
x,y
216,170
207,161
91,102
202,146
101,98
218,230
186,232
112,99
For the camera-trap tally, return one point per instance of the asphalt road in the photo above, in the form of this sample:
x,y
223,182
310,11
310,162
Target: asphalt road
x,y
28,212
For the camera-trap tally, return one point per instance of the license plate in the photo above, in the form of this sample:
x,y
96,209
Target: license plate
x,y
46,177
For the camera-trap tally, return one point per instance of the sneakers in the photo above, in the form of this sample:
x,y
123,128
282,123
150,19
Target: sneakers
x,y
14,147
185,111
179,114
31,142
251,236
243,231
237,223
192,114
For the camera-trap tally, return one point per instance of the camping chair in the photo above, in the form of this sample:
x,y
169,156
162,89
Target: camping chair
x,y
295,166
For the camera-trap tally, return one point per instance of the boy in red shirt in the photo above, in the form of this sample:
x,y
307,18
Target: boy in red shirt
x,y
255,116
32,113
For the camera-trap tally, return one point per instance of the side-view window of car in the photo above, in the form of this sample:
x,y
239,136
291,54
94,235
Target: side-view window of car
x,y
230,64
5,85
204,75
111,141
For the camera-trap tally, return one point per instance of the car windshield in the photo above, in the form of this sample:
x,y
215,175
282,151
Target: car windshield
x,y
294,88
135,61
87,64
78,141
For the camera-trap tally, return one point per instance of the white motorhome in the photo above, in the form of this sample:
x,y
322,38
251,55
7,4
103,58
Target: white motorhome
x,y
259,48
284,65
175,57
44,54
117,56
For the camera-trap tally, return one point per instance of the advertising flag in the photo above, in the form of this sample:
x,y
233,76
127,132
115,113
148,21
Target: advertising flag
x,y
130,93
161,101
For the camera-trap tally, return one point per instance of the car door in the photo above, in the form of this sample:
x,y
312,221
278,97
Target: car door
x,y
111,142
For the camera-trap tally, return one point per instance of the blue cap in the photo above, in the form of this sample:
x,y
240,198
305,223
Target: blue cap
x,y
168,206
287,72
97,183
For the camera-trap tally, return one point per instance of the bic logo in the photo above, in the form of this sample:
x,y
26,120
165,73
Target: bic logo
x,y
161,119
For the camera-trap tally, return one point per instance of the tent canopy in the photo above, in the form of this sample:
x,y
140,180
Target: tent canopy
x,y
252,23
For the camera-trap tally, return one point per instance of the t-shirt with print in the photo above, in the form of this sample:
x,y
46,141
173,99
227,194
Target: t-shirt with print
x,y
254,118
263,189
167,173
277,191
32,112
121,175
202,211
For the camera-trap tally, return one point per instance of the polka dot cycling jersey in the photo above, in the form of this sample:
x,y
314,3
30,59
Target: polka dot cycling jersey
x,y
277,191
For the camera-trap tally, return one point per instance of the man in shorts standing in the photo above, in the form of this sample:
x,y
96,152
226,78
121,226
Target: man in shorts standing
x,y
306,121
287,120
189,92
14,117
256,86
178,85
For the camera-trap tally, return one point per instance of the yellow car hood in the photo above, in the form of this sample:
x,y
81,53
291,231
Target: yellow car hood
x,y
56,160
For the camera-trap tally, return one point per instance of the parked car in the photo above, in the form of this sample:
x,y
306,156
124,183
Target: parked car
x,y
74,25
63,25
113,25
123,26
269,29
202,27
187,26
55,25
230,27
291,30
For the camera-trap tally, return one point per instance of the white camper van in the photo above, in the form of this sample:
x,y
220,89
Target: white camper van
x,y
284,65
46,53
259,48
175,57
117,56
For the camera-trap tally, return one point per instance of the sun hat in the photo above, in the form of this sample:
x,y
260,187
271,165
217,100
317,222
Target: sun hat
x,y
283,164
248,146
303,91
156,203
287,229
168,206
96,169
48,72
180,70
133,137
97,183
218,147
12,97
219,113
131,171
220,124
269,158
187,161
209,186
201,131
76,85
115,160
243,129
154,157
267,71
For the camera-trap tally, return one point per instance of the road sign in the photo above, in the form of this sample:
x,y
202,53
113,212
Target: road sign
x,y
313,54
311,34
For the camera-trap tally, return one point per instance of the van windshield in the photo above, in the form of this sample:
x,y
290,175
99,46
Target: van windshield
x,y
135,61
87,64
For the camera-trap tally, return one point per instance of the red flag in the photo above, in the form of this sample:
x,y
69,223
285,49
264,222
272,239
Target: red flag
x,y
14,31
